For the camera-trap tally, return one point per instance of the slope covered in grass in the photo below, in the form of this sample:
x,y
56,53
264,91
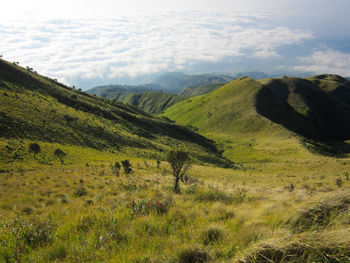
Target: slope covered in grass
x,y
37,108
271,118
200,90
150,101
228,109
85,213
316,108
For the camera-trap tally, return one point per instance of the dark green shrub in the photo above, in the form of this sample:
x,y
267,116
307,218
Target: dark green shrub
x,y
211,236
190,255
59,154
34,148
81,191
339,182
27,210
116,168
126,166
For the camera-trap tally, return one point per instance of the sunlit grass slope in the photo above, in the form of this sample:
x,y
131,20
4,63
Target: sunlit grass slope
x,y
36,108
229,109
271,118
296,212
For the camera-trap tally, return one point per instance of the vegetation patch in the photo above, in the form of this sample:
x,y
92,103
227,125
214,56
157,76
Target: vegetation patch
x,y
301,252
194,255
321,214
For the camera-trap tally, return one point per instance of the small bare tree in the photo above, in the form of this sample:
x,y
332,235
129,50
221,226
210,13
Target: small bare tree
x,y
178,161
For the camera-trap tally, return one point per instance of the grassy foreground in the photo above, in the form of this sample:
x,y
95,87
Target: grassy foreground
x,y
275,210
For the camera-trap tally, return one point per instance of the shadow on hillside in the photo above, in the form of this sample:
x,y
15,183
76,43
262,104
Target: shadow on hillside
x,y
325,119
323,129
334,149
274,106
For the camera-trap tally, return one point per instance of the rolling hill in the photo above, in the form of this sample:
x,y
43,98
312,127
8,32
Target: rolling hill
x,y
37,108
150,101
200,90
316,109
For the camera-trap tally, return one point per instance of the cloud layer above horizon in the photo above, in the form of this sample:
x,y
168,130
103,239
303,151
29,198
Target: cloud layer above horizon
x,y
111,48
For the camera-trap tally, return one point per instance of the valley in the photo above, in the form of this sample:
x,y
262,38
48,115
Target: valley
x,y
268,178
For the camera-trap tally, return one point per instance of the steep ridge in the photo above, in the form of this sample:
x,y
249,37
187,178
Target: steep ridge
x,y
315,108
311,108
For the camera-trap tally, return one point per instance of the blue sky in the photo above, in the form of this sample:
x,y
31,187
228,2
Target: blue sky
x,y
87,43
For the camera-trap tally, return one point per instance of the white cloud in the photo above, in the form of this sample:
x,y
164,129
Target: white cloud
x,y
112,47
326,61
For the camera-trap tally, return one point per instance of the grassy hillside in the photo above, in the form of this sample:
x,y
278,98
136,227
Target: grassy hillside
x,y
150,101
36,108
315,108
279,204
116,92
271,119
291,211
228,109
196,91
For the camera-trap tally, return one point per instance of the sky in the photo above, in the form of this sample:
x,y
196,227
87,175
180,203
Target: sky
x,y
88,43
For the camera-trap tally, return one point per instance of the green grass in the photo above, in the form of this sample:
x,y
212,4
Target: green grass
x,y
222,215
279,203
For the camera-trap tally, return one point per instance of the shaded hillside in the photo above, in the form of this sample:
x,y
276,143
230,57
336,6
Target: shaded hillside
x,y
196,91
151,101
116,92
37,108
315,108
311,108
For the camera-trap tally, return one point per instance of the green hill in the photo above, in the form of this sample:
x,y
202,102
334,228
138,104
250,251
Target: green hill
x,y
229,109
270,110
200,90
316,108
116,92
150,101
37,108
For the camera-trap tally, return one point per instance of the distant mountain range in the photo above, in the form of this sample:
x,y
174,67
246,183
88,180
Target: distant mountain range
x,y
167,89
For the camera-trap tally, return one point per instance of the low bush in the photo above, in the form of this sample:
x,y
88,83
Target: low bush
x,y
144,207
192,255
211,236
